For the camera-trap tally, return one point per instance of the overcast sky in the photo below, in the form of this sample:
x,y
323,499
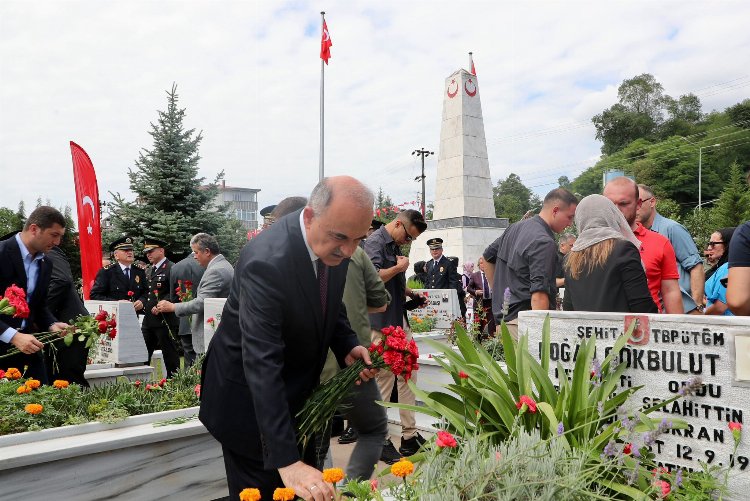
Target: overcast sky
x,y
248,74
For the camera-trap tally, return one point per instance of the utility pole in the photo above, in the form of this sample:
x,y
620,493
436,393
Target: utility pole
x,y
422,153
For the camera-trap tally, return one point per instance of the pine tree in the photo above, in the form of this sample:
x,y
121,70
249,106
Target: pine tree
x,y
732,204
171,202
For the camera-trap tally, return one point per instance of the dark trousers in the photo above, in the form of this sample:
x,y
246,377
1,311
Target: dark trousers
x,y
187,349
68,362
158,337
34,364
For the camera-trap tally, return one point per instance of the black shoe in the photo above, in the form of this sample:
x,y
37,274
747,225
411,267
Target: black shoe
x,y
337,425
389,455
410,446
349,436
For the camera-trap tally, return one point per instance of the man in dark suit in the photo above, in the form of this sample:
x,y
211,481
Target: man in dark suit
x,y
283,313
23,263
479,288
442,272
123,280
187,270
159,327
65,303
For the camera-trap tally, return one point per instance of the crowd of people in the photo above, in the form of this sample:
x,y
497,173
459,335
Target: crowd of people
x,y
294,316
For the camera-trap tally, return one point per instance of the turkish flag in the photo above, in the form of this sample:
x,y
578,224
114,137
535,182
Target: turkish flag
x,y
87,204
325,44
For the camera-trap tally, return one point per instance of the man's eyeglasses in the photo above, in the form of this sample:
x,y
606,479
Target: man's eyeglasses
x,y
711,244
646,199
409,238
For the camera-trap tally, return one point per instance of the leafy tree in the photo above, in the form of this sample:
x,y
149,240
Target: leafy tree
x,y
589,181
740,114
513,199
668,208
732,207
617,126
9,221
564,182
172,203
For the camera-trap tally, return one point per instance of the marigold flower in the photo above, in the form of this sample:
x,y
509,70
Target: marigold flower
x,y
60,383
33,408
283,494
463,375
250,495
528,402
445,439
333,475
13,373
23,389
33,384
402,468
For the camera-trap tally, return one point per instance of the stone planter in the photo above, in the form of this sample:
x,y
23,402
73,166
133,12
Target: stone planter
x,y
424,348
131,459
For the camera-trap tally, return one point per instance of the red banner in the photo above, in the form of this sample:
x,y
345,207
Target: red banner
x,y
87,204
325,44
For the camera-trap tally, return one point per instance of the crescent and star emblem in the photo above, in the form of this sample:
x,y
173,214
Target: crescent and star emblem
x,y
326,37
87,201
452,85
473,92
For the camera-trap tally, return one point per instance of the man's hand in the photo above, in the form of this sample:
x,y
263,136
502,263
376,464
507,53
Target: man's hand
x,y
26,343
138,305
306,481
479,293
361,353
402,263
60,327
165,306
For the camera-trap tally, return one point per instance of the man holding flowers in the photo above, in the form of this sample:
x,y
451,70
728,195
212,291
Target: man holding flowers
x,y
283,314
26,273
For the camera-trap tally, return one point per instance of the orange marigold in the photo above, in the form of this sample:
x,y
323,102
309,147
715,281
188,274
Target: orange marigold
x,y
403,468
23,389
13,373
333,475
250,495
33,383
33,408
60,383
283,494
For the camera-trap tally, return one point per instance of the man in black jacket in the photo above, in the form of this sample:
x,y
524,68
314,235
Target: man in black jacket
x,y
123,280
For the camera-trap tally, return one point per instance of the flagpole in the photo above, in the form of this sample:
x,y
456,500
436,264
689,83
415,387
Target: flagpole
x,y
322,104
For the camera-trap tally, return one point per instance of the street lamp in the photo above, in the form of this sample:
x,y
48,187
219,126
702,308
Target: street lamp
x,y
700,168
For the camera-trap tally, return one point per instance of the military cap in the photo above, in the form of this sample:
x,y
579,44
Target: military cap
x,y
266,211
123,243
435,243
150,244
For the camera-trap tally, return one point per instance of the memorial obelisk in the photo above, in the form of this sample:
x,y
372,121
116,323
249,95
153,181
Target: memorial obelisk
x,y
464,211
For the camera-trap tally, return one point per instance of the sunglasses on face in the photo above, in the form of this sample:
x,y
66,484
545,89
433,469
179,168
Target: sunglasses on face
x,y
711,244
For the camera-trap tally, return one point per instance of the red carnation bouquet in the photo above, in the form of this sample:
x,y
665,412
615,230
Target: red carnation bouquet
x,y
14,302
184,290
394,352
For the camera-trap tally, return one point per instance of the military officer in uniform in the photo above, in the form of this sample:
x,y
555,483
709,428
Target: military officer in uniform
x,y
442,272
122,280
159,329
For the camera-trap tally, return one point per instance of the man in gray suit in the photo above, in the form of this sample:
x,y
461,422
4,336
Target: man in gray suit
x,y
186,270
215,282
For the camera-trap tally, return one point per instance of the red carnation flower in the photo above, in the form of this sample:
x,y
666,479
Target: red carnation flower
x,y
528,402
102,315
463,375
628,449
112,333
131,293
102,327
445,439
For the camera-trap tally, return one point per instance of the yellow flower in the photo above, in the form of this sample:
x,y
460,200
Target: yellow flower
x,y
333,475
283,494
403,468
13,373
250,495
60,383
33,408
33,384
23,389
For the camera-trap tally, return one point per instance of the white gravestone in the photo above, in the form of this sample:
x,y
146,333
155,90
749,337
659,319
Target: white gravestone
x,y
664,352
442,304
212,308
128,347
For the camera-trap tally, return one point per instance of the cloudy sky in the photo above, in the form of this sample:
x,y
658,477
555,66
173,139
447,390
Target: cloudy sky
x,y
248,73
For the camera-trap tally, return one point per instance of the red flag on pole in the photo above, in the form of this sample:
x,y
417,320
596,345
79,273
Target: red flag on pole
x,y
87,204
325,44
471,60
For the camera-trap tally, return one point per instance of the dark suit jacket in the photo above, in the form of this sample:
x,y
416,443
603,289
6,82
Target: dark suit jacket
x,y
269,350
158,289
63,299
475,284
448,278
111,284
13,272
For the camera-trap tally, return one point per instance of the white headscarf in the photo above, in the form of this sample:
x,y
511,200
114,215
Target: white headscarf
x,y
598,219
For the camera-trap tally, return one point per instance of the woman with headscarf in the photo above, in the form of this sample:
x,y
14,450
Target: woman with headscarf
x,y
715,291
603,270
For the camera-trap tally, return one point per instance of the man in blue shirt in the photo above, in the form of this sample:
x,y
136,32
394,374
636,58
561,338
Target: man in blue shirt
x,y
22,263
689,262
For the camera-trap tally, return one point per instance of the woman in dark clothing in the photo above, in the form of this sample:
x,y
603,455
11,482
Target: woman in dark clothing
x,y
718,249
603,270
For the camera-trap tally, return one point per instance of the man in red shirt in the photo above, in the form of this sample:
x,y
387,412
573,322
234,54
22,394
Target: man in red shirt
x,y
657,253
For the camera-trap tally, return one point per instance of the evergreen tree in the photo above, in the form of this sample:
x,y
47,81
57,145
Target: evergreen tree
x,y
171,202
69,243
383,207
21,212
732,207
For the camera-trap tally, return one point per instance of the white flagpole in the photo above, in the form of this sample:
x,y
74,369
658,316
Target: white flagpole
x,y
322,104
